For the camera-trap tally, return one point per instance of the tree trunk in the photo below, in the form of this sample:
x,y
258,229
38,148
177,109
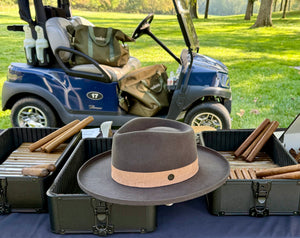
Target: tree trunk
x,y
274,9
206,9
281,4
264,17
284,9
249,10
194,8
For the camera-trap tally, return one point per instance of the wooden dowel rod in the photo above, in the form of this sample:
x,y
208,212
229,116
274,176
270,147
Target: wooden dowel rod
x,y
252,173
49,142
262,141
245,173
67,134
239,174
39,172
278,170
291,175
49,137
232,174
251,137
254,143
49,167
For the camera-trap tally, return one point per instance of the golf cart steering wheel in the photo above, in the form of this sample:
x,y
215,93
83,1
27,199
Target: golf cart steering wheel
x,y
143,27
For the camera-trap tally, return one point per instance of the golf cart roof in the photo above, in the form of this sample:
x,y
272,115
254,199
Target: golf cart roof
x,y
186,25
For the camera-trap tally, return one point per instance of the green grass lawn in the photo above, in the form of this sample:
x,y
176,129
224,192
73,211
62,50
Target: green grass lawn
x,y
261,61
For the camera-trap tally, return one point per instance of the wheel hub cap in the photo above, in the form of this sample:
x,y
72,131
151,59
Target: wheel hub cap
x,y
31,117
207,119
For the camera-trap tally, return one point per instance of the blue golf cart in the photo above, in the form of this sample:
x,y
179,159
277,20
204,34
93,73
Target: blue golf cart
x,y
47,91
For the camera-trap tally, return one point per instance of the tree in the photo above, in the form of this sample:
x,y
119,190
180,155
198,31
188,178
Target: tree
x,y
275,2
264,17
109,4
194,8
206,9
249,9
284,9
281,4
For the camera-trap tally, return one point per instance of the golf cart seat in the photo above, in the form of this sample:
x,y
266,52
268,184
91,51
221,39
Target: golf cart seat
x,y
77,20
60,44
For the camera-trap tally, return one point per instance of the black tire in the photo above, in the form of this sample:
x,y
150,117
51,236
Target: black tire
x,y
212,114
32,112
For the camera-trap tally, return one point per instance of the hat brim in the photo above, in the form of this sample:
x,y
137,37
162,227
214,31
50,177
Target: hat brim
x,y
94,178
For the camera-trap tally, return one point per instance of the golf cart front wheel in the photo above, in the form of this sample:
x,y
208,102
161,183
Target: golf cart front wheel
x,y
32,112
211,114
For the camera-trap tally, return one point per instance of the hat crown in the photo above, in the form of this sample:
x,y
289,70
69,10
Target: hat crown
x,y
153,145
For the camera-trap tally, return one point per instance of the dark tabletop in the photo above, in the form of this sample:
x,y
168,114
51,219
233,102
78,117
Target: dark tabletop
x,y
187,219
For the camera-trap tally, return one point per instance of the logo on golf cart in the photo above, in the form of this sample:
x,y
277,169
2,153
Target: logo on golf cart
x,y
94,95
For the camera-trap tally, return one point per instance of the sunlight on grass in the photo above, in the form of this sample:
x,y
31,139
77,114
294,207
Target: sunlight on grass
x,y
4,120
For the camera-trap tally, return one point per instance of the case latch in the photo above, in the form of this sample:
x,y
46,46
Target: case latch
x,y
260,193
4,206
102,211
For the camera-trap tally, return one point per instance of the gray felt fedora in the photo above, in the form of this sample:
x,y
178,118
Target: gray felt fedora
x,y
153,162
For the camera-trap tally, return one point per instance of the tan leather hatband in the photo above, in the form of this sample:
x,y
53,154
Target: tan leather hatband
x,y
154,179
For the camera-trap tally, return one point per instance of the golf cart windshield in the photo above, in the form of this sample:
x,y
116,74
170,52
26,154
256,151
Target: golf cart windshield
x,y
186,25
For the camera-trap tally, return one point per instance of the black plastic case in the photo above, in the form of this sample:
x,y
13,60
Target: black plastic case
x,y
27,193
254,197
73,211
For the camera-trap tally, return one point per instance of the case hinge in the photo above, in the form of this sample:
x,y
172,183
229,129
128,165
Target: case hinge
x,y
102,211
260,193
4,206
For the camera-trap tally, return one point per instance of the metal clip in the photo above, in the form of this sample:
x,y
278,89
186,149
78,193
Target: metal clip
x,y
4,206
102,211
261,192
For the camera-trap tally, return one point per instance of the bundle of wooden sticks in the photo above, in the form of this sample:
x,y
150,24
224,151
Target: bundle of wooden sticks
x,y
53,140
22,162
257,139
242,173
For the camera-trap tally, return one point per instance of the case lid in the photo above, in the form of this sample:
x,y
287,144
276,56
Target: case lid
x,y
291,137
